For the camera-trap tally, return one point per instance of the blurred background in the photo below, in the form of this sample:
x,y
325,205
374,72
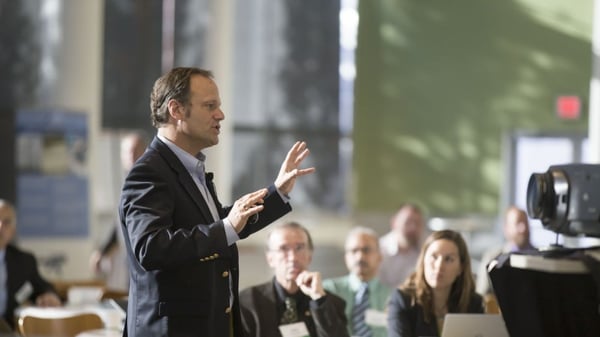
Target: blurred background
x,y
448,104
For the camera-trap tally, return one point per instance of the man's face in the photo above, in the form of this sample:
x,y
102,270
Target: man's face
x,y
408,223
288,254
516,227
8,224
132,148
199,121
362,256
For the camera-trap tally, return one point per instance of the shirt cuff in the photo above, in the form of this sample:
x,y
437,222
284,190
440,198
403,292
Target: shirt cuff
x,y
232,236
319,302
284,197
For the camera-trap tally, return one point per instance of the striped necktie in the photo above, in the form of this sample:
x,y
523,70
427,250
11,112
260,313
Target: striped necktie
x,y
361,304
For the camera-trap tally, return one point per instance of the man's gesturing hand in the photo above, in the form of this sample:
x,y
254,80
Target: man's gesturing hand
x,y
245,207
289,168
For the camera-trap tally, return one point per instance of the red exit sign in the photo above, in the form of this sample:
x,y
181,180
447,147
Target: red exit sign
x,y
568,107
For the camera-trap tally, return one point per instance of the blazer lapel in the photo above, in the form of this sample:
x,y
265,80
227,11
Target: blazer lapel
x,y
185,180
212,190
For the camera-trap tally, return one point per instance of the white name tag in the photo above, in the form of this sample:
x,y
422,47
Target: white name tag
x,y
24,292
376,318
294,330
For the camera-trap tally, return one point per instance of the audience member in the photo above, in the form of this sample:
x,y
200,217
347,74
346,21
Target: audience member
x,y
442,283
365,296
181,242
295,299
400,247
110,259
516,236
20,281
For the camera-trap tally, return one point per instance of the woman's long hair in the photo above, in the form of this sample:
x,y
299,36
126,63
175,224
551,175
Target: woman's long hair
x,y
462,288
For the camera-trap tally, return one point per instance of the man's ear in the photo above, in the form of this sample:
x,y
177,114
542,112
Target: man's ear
x,y
269,258
175,109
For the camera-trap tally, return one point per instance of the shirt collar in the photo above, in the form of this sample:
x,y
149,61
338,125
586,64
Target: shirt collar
x,y
192,164
282,293
510,247
355,283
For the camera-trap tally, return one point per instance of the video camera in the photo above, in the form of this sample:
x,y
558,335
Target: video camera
x,y
566,198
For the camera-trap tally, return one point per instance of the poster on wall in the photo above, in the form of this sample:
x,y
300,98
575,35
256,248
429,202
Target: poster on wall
x,y
52,182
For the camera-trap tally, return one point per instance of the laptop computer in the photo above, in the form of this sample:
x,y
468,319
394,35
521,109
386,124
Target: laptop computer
x,y
474,325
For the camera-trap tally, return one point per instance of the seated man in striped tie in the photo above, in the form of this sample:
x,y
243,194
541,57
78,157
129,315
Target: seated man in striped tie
x,y
365,295
294,303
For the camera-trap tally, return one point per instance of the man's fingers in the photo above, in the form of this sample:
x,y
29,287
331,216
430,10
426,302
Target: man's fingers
x,y
256,197
305,171
252,210
292,150
258,194
298,172
301,156
297,149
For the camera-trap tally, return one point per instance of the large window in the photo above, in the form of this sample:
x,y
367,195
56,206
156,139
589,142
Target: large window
x,y
287,88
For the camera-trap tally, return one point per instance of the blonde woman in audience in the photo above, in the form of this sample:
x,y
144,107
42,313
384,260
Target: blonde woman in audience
x,y
442,283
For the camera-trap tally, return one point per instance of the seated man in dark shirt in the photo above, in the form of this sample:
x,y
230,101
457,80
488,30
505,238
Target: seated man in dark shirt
x,y
295,299
20,281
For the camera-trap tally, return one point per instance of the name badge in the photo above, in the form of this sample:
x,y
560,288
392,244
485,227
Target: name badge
x,y
376,318
294,330
24,292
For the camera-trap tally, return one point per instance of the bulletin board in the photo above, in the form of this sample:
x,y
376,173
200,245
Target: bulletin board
x,y
52,182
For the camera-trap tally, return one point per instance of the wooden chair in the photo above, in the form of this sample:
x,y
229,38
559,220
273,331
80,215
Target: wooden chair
x,y
68,325
114,294
491,304
62,286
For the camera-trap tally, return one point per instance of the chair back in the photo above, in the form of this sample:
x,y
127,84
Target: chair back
x,y
491,304
68,326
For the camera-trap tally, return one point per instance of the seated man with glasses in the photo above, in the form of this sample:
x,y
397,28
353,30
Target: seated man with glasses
x,y
294,302
366,297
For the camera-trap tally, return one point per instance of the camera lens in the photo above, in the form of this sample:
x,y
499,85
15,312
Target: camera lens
x,y
540,196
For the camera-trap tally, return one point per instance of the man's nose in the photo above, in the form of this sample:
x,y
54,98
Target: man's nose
x,y
220,115
291,254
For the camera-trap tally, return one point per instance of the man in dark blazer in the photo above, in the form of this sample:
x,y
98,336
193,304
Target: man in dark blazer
x,y
180,241
20,280
294,301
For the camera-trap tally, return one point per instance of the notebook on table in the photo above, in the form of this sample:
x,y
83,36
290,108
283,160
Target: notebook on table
x,y
474,325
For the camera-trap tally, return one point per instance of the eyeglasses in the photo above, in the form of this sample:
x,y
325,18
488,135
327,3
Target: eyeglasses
x,y
364,250
298,249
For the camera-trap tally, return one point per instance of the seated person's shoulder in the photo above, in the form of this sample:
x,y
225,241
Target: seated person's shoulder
x,y
477,303
333,284
333,297
248,295
402,296
19,254
491,253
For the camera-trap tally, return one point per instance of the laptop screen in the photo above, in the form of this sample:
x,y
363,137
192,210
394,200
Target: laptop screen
x,y
474,325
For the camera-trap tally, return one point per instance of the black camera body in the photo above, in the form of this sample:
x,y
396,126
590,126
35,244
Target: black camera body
x,y
566,199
